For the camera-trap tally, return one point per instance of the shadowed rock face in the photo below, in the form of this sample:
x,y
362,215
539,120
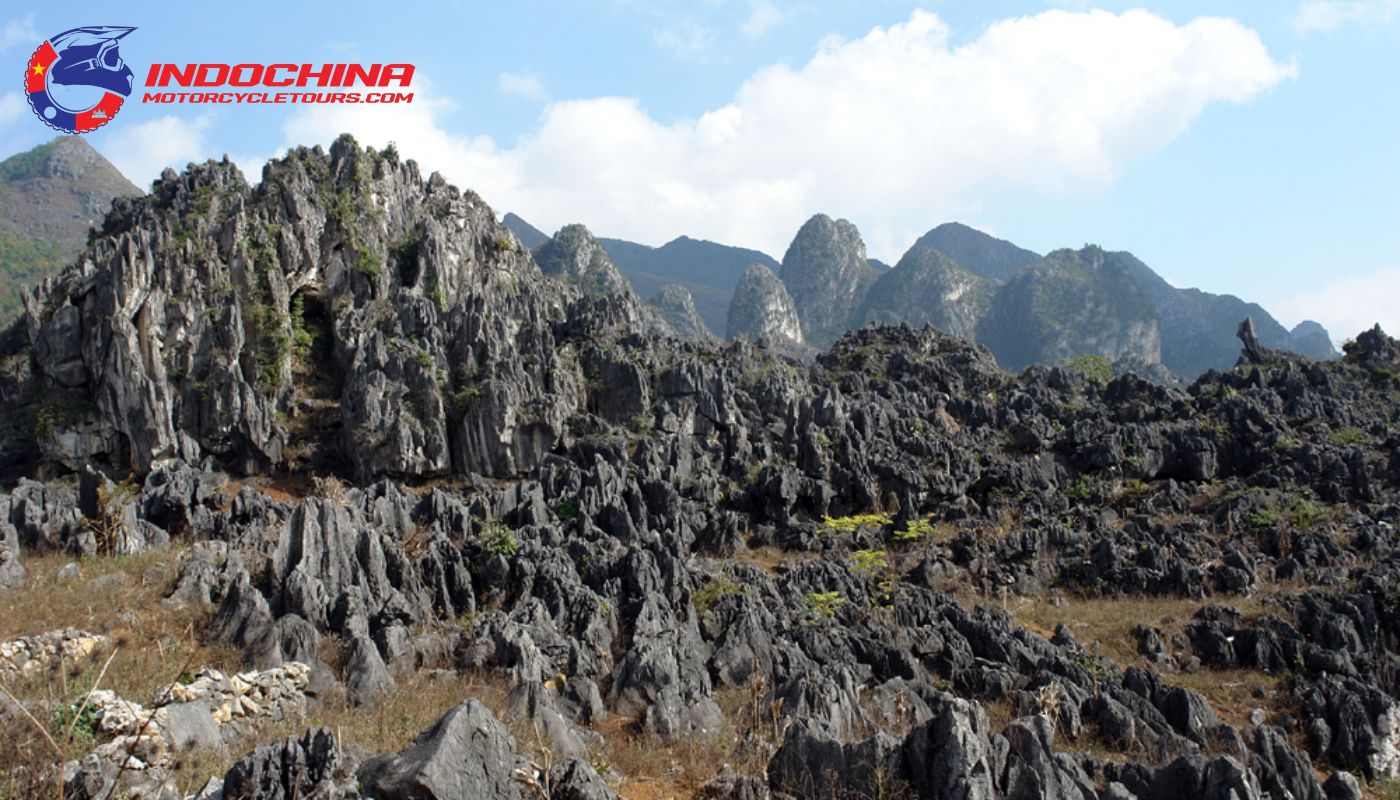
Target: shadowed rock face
x,y
643,526
761,309
827,276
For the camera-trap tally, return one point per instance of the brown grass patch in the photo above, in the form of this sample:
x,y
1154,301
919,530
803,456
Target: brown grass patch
x,y
1104,626
653,771
153,645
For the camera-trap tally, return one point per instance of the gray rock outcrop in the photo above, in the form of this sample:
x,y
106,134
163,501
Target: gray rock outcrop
x,y
762,310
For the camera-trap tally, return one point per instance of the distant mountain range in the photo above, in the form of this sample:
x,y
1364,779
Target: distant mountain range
x,y
49,197
1025,307
708,271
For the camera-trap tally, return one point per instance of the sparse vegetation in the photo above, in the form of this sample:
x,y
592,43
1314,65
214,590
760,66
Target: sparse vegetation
x,y
1349,436
856,522
712,590
1094,368
869,562
824,604
498,539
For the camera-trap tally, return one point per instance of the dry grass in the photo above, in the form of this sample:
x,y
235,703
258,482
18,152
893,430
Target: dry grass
x,y
120,598
654,771
153,644
1381,790
767,558
1104,626
417,702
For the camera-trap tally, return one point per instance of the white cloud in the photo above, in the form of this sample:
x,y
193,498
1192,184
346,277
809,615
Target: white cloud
x,y
522,84
685,37
1329,15
1348,306
762,16
141,151
20,33
897,130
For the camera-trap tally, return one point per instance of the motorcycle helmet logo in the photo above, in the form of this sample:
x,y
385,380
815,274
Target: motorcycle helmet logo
x,y
77,81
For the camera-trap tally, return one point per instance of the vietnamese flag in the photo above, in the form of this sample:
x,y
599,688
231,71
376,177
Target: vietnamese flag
x,y
36,77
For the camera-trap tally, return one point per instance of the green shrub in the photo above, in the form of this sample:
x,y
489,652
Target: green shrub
x,y
1304,514
855,522
458,399
1135,490
1085,488
1264,519
366,263
498,539
567,510
824,604
866,562
81,719
1349,436
1095,368
438,297
712,590
915,530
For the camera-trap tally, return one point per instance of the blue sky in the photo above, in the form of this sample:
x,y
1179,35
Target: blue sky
x,y
1245,147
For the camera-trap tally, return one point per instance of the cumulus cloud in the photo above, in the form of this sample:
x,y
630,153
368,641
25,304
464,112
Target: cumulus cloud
x,y
141,151
897,130
1348,306
1329,15
521,84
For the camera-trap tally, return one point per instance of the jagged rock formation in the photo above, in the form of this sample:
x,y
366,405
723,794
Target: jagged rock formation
x,y
827,276
762,310
1070,303
927,287
49,198
977,252
677,309
637,526
421,316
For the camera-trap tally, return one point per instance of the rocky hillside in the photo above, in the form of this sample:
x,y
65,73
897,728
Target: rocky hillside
x,y
707,270
977,252
827,276
528,234
763,311
928,287
835,288
337,449
49,198
1068,304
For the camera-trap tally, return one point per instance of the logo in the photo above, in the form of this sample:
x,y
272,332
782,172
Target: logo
x,y
77,81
